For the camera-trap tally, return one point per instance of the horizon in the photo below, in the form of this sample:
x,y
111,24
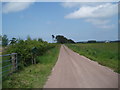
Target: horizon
x,y
43,19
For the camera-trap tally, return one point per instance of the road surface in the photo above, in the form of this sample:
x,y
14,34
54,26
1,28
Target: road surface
x,y
75,71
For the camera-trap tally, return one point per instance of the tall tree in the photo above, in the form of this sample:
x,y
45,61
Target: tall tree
x,y
4,40
53,37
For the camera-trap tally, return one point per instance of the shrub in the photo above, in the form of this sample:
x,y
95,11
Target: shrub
x,y
24,50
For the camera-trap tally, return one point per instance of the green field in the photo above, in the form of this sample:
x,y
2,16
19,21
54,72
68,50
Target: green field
x,y
104,53
34,76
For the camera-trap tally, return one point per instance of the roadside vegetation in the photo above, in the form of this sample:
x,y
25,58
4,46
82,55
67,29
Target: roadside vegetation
x,y
35,59
34,76
104,53
27,50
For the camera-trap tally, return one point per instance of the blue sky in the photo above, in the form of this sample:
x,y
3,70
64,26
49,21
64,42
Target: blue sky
x,y
77,21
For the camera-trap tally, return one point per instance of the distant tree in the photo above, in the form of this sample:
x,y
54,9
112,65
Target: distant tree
x,y
13,41
92,41
62,39
53,37
4,40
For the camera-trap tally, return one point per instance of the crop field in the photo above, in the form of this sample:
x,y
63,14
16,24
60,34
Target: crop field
x,y
104,53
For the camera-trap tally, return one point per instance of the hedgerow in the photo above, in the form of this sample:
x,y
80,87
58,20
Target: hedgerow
x,y
27,50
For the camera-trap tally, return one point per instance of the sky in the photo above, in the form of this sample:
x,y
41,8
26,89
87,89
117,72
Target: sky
x,y
79,21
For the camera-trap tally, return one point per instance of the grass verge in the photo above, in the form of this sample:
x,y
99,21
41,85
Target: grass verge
x,y
34,76
104,53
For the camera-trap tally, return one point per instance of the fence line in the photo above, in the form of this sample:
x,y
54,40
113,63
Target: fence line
x,y
12,63
7,54
6,66
6,61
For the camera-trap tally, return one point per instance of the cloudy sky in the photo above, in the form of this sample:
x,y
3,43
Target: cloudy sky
x,y
80,21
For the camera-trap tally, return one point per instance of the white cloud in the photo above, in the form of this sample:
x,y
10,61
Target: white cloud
x,y
16,6
100,11
98,14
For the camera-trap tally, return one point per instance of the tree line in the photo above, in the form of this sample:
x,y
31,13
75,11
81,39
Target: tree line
x,y
5,41
59,39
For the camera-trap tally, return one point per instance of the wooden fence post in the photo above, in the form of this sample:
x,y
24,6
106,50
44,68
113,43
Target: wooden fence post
x,y
14,62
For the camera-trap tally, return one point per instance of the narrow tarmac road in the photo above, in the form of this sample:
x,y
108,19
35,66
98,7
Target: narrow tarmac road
x,y
75,71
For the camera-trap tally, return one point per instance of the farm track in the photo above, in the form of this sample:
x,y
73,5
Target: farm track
x,y
75,71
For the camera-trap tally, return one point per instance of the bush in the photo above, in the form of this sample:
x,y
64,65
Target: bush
x,y
25,52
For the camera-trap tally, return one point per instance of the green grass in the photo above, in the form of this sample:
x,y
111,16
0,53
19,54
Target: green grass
x,y
34,76
104,53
